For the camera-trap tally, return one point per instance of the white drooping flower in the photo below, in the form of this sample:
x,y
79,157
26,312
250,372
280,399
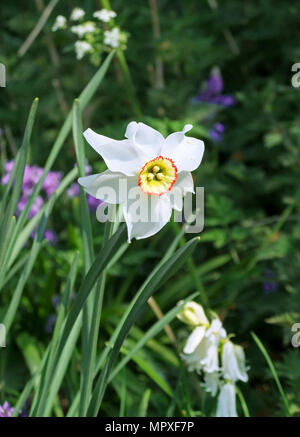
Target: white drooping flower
x,y
112,37
201,349
211,382
205,345
193,314
216,330
195,350
82,29
81,48
147,175
210,362
226,406
213,334
104,15
77,14
60,23
233,362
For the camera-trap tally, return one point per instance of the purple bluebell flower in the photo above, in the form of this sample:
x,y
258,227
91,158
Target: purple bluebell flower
x,y
73,191
51,182
32,175
52,318
6,410
37,204
270,283
217,131
93,203
55,300
8,166
50,323
212,92
50,236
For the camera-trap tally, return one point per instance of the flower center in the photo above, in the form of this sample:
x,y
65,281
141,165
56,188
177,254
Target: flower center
x,y
158,176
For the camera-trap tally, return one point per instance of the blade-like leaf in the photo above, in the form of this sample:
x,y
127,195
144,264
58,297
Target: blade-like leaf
x,y
157,278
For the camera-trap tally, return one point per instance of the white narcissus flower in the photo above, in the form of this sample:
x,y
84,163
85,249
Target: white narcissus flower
x,y
104,15
77,14
112,37
193,314
226,406
60,23
81,48
149,166
233,362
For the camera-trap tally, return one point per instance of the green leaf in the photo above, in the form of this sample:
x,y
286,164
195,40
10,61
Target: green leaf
x,y
84,99
273,371
155,280
144,403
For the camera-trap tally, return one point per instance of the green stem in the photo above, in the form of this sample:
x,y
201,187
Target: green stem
x,y
274,373
130,88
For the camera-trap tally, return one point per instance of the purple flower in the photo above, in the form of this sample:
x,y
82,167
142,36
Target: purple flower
x,y
52,318
270,284
37,204
32,175
216,132
93,203
212,92
6,410
55,300
50,236
5,179
73,191
8,166
50,323
51,182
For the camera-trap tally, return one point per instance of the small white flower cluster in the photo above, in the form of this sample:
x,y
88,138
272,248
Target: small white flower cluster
x,y
82,29
91,38
104,15
206,346
59,23
112,37
81,48
77,14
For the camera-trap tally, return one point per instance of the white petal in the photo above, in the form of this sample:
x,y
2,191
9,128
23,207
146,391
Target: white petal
x,y
193,314
108,186
185,182
233,362
119,156
186,152
194,339
240,357
211,362
145,215
226,402
183,185
187,127
211,382
147,139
